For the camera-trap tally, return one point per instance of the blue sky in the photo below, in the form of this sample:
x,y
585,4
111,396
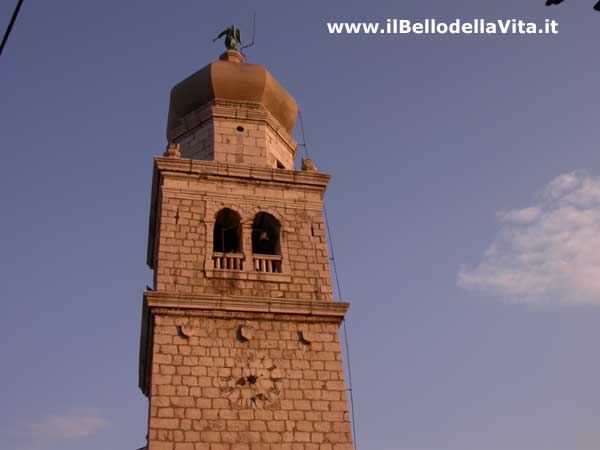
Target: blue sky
x,y
464,205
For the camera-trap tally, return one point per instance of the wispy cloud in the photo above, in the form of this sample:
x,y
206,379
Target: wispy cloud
x,y
549,252
68,426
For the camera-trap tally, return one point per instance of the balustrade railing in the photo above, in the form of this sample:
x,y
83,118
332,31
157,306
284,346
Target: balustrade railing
x,y
267,263
235,261
228,261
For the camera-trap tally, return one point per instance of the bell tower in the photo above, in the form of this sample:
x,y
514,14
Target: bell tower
x,y
239,344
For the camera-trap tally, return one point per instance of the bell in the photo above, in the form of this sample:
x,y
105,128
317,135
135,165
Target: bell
x,y
263,236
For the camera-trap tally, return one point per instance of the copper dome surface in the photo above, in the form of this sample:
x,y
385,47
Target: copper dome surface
x,y
231,81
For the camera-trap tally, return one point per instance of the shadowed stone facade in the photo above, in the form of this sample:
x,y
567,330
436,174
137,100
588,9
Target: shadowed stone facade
x,y
239,342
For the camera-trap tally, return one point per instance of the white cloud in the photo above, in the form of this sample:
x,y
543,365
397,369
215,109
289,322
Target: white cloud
x,y
525,215
548,252
68,426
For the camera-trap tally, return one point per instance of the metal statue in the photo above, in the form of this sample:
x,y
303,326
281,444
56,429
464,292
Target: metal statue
x,y
232,37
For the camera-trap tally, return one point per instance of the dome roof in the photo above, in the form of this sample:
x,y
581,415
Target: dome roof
x,y
235,81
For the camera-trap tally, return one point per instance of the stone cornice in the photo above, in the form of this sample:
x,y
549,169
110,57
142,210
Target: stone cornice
x,y
267,174
154,299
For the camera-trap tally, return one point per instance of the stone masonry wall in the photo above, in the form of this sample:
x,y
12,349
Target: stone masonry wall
x,y
197,401
198,143
278,150
188,208
220,139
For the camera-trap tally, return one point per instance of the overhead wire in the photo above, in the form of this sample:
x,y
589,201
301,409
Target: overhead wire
x,y
304,146
10,25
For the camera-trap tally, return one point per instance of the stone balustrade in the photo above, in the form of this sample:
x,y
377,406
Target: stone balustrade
x,y
267,263
228,261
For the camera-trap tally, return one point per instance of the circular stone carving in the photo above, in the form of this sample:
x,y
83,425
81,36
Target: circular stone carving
x,y
186,330
306,337
245,332
255,381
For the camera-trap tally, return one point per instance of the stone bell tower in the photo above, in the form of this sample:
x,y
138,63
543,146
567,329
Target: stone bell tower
x,y
239,342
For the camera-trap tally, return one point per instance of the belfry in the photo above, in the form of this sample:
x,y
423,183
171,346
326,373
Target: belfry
x,y
239,344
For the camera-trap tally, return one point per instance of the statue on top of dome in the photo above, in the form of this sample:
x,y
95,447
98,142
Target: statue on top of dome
x,y
232,37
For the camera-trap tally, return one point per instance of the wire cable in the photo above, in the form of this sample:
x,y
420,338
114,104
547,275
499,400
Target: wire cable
x,y
303,145
339,292
10,25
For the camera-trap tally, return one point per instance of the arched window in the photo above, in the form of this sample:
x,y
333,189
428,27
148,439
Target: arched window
x,y
265,235
227,237
266,248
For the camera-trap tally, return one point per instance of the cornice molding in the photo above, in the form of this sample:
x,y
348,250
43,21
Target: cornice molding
x,y
247,171
155,299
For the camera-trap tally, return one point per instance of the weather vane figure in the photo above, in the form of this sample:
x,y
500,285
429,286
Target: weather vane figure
x,y
232,37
